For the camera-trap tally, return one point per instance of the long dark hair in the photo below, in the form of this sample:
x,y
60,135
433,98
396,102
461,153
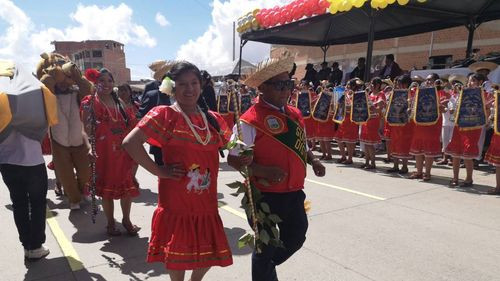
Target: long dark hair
x,y
114,95
183,67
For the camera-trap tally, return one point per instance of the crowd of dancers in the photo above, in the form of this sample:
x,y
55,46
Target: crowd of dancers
x,y
98,145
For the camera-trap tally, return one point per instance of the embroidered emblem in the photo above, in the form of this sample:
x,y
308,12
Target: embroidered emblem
x,y
274,124
198,182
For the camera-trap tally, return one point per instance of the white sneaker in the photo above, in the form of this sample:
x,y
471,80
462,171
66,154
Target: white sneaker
x,y
38,253
74,206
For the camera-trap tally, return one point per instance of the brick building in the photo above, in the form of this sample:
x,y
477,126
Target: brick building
x,y
97,54
410,52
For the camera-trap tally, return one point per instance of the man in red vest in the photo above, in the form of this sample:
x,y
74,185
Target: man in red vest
x,y
280,156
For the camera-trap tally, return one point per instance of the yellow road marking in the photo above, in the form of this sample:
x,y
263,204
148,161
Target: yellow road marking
x,y
233,211
347,190
66,247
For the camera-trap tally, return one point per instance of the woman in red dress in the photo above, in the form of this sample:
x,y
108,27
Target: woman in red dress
x,y
401,135
310,123
426,140
326,130
187,232
114,168
369,135
493,156
464,144
348,131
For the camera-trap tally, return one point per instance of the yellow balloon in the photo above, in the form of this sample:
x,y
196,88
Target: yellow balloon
x,y
392,1
254,13
255,23
403,2
373,4
383,5
421,1
333,9
358,3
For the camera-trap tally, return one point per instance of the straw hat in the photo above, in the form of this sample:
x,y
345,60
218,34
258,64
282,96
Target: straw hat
x,y
269,68
490,66
459,78
417,78
388,81
160,68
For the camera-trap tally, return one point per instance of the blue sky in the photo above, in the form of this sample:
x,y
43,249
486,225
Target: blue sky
x,y
197,30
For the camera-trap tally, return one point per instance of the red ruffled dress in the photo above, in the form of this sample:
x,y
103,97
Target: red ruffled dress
x,y
464,143
114,167
426,140
326,130
369,131
348,131
401,138
186,231
493,153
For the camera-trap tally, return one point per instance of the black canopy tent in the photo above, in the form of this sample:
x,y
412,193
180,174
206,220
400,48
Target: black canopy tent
x,y
366,24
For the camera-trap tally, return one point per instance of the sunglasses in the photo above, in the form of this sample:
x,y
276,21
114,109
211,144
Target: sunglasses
x,y
281,85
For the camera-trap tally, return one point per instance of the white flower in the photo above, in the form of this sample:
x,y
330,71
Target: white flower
x,y
167,86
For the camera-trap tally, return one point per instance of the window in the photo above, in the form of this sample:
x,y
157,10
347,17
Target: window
x,y
87,54
77,56
87,65
97,54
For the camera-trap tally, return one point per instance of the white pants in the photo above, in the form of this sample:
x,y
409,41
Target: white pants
x,y
446,135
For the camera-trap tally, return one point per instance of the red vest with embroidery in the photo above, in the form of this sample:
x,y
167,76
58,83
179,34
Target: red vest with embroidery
x,y
280,141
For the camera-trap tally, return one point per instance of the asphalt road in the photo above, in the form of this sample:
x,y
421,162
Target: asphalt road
x,y
363,226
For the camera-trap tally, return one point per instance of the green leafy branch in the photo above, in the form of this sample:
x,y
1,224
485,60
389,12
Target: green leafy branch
x,y
267,232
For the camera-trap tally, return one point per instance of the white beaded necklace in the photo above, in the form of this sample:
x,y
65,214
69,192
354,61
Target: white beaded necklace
x,y
192,126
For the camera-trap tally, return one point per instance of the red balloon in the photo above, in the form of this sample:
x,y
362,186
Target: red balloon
x,y
324,4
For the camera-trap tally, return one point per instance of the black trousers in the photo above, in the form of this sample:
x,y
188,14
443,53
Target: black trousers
x,y
28,191
290,208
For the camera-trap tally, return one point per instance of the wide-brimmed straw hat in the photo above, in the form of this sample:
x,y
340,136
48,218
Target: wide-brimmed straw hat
x,y
160,68
388,81
417,78
269,68
459,78
488,65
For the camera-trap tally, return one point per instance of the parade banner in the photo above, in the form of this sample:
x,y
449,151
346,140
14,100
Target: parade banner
x,y
245,103
471,109
304,104
223,104
397,110
360,112
497,111
339,114
322,108
426,107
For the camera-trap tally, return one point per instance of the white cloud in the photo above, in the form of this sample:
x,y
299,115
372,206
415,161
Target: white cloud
x,y
213,50
24,42
161,20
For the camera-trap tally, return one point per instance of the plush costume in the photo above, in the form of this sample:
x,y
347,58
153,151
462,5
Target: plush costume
x,y
69,149
27,108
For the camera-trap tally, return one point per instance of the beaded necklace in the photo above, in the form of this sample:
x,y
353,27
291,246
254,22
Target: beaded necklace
x,y
193,127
